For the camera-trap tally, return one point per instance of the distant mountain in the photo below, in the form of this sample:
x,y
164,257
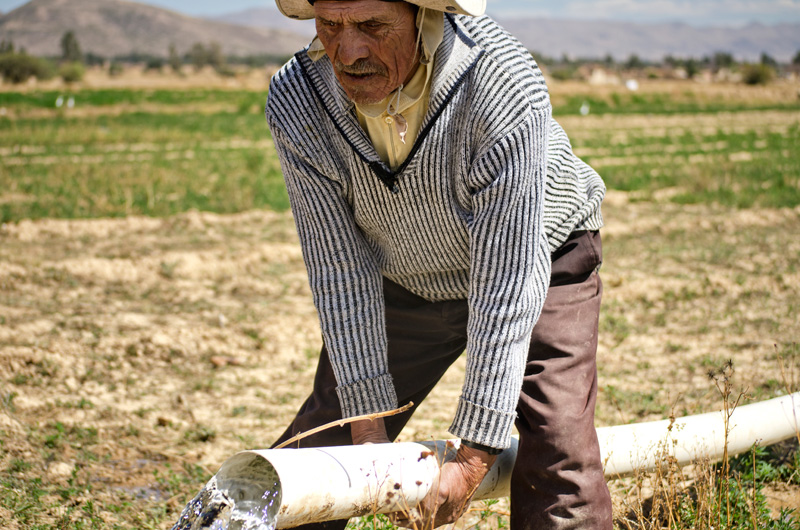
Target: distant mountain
x,y
596,38
264,17
111,28
117,27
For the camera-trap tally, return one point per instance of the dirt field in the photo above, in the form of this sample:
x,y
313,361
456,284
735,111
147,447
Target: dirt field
x,y
137,345
137,354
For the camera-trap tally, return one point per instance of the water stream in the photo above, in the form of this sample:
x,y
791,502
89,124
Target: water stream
x,y
235,504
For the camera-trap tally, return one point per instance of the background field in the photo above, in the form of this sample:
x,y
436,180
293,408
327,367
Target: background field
x,y
155,316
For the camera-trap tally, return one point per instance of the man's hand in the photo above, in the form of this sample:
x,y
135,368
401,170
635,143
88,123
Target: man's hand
x,y
449,499
369,432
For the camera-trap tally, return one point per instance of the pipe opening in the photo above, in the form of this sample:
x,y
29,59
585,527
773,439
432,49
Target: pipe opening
x,y
244,495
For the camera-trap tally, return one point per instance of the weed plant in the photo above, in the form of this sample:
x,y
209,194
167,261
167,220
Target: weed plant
x,y
712,495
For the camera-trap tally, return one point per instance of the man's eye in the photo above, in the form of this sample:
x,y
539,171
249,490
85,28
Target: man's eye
x,y
373,25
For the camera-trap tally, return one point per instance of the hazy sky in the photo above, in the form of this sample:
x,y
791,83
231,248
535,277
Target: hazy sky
x,y
696,12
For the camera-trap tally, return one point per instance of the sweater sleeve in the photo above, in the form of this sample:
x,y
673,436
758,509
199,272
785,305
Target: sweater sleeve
x,y
509,276
345,282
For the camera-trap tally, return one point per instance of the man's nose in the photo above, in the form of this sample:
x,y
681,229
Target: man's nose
x,y
352,47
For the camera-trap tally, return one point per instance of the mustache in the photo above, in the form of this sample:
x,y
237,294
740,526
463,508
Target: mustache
x,y
360,67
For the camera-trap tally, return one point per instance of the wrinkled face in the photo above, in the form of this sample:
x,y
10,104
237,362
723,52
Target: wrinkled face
x,y
370,43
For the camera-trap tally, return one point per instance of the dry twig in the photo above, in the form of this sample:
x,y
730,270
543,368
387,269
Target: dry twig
x,y
342,423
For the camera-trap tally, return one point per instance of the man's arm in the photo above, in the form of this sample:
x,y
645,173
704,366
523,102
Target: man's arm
x,y
345,282
509,278
510,272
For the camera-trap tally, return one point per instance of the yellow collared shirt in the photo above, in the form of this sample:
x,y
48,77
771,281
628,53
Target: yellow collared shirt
x,y
394,123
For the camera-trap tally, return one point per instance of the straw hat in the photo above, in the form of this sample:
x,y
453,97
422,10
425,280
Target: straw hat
x,y
303,9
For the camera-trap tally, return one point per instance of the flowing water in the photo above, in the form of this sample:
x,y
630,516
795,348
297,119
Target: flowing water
x,y
231,506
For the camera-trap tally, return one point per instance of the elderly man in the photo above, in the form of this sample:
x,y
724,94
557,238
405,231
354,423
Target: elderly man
x,y
441,210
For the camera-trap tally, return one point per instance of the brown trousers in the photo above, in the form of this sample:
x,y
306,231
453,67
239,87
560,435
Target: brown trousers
x,y
557,482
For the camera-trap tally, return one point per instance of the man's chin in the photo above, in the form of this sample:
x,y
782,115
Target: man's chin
x,y
362,98
363,90
364,95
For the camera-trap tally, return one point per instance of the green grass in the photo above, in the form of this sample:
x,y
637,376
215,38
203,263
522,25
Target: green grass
x,y
159,152
154,164
106,97
730,497
621,102
35,502
725,165
659,104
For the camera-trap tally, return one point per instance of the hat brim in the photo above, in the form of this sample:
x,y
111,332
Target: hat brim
x,y
302,10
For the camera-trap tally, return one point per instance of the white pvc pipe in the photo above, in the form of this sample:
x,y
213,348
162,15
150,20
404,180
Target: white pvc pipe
x,y
628,448
323,484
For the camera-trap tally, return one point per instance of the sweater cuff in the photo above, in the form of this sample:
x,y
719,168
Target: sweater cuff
x,y
367,397
481,425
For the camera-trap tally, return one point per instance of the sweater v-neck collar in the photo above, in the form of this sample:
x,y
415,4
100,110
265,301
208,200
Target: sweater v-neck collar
x,y
455,57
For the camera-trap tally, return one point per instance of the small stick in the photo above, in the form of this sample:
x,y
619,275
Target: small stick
x,y
342,423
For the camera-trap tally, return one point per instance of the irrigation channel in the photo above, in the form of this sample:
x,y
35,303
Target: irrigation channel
x,y
284,488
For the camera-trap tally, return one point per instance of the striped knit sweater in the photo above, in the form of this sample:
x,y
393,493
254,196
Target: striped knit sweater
x,y
490,189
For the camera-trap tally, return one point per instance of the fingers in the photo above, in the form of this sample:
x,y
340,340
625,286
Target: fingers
x,y
435,510
369,431
450,497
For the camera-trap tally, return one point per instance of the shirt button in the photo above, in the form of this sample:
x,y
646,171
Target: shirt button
x,y
389,120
